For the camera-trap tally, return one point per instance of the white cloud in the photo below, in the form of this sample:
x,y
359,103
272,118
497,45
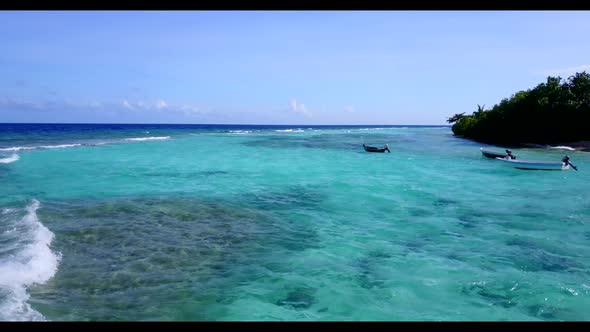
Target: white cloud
x,y
565,72
299,108
11,104
127,105
160,104
95,104
349,109
15,104
140,105
188,109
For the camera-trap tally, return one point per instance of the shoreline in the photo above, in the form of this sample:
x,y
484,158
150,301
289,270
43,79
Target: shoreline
x,y
583,146
580,145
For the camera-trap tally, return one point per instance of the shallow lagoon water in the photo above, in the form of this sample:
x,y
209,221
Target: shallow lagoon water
x,y
285,223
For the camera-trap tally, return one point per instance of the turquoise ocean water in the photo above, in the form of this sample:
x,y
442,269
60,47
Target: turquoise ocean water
x,y
228,223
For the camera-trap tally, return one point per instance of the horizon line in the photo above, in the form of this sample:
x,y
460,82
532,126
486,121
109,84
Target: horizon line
x,y
222,124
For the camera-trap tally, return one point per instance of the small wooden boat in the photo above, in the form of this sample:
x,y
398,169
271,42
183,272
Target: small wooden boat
x,y
493,154
564,165
374,149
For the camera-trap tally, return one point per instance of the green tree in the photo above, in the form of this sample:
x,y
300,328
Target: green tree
x,y
554,111
455,118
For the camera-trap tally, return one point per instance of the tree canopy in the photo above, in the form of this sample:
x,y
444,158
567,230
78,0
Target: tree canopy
x,y
553,112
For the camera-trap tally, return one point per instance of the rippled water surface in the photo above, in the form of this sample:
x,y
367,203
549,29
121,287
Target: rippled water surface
x,y
123,222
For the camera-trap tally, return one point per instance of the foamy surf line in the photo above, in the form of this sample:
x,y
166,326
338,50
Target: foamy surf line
x,y
561,147
386,128
33,263
10,159
60,146
140,139
75,145
289,130
19,148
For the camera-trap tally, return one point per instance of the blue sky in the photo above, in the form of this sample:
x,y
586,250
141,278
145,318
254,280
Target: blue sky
x,y
278,67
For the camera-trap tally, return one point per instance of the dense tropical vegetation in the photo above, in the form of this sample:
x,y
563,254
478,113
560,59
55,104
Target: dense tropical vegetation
x,y
553,112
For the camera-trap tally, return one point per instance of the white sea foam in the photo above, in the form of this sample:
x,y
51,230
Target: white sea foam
x,y
240,132
153,138
10,159
18,148
561,147
60,146
32,263
290,130
385,128
373,128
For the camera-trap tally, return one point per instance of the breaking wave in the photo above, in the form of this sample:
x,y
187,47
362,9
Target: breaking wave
x,y
10,159
25,259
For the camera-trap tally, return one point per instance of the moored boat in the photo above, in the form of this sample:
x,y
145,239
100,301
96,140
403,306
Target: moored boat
x,y
374,149
564,165
493,154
